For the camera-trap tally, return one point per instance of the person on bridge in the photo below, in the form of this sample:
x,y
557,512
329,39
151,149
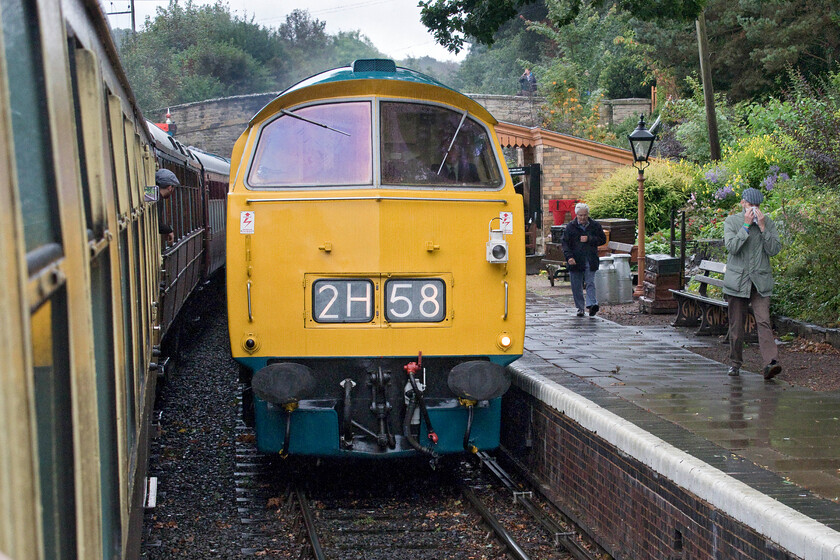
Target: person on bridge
x,y
581,239
751,239
166,182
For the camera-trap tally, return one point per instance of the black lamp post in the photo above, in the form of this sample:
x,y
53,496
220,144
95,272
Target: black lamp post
x,y
641,143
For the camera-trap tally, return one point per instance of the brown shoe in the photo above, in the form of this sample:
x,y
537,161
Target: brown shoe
x,y
772,369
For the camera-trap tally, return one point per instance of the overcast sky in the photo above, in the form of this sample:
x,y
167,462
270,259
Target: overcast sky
x,y
393,26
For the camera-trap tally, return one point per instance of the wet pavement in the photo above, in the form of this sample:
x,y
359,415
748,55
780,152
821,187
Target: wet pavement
x,y
743,425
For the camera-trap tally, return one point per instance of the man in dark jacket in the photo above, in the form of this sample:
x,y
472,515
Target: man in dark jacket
x,y
166,182
527,82
581,239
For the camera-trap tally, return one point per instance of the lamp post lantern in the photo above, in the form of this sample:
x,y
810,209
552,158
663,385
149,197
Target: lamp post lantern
x,y
641,143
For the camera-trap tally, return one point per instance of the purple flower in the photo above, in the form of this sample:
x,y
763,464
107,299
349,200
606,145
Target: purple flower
x,y
714,175
769,182
784,177
774,169
720,194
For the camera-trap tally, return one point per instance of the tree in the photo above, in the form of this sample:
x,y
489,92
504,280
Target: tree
x,y
752,43
192,53
453,22
496,68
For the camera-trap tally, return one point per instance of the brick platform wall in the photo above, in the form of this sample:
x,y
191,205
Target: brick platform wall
x,y
632,511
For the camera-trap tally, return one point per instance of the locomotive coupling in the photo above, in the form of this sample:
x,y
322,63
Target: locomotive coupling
x,y
477,380
283,383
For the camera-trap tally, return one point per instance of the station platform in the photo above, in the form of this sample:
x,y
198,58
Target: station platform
x,y
780,440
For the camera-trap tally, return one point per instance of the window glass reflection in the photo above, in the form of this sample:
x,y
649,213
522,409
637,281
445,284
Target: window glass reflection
x,y
418,148
332,146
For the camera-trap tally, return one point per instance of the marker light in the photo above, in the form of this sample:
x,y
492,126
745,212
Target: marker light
x,y
504,341
497,247
250,343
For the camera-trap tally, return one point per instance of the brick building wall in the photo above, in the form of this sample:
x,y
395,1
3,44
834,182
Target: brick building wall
x,y
569,175
632,511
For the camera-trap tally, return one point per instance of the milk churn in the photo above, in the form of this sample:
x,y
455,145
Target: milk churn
x,y
621,263
605,281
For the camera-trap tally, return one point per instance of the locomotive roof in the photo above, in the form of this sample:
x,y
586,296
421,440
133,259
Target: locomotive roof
x,y
385,73
367,69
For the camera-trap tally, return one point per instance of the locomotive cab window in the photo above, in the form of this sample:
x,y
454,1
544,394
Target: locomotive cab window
x,y
319,145
429,145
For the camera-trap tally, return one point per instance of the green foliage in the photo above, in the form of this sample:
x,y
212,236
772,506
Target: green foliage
x,y
443,71
689,114
598,45
807,269
453,21
666,187
813,130
758,162
752,43
764,118
496,69
191,53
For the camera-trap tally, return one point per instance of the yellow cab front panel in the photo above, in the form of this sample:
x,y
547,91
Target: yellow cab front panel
x,y
376,269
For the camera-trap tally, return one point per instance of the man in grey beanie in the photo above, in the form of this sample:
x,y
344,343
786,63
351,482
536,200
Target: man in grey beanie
x,y
166,182
751,239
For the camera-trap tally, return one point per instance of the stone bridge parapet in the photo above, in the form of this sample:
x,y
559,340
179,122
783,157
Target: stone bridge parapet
x,y
215,124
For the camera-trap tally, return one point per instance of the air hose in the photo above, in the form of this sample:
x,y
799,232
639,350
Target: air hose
x,y
409,412
471,408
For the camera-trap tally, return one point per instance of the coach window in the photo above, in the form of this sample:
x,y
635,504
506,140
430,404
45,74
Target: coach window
x,y
435,146
319,145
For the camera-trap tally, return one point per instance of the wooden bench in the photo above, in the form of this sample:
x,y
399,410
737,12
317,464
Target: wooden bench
x,y
710,313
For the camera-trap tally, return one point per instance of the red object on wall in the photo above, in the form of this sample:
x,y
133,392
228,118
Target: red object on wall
x,y
558,208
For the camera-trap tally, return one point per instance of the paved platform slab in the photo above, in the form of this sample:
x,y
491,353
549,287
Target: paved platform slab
x,y
780,439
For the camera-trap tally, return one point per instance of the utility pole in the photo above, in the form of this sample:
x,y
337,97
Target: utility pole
x,y
708,90
129,11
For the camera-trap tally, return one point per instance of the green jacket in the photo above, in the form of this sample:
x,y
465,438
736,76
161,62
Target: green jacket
x,y
748,262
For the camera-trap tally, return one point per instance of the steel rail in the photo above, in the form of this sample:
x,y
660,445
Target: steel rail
x,y
513,548
561,537
309,521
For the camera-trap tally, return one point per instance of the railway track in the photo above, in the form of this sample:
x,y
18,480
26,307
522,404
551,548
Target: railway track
x,y
395,510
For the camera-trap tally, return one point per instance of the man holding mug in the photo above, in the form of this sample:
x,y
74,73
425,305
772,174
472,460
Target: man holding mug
x,y
581,239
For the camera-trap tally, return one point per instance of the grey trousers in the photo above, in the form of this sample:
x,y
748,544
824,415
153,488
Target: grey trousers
x,y
737,315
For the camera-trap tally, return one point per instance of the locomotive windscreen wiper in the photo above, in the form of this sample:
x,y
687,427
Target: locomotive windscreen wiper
x,y
454,136
310,121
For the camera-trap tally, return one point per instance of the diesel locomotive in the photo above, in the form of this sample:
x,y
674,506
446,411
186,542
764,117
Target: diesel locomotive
x,y
87,304
375,267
